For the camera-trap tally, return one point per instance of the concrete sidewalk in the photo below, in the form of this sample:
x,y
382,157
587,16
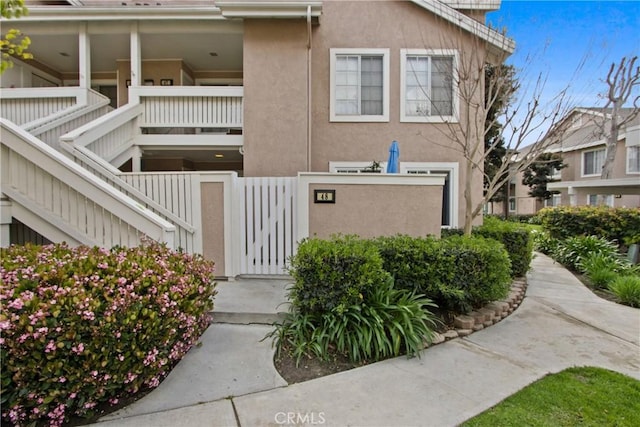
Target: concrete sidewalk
x,y
559,324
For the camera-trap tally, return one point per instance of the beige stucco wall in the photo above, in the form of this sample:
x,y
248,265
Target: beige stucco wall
x,y
574,170
393,25
155,70
377,210
275,97
574,161
212,197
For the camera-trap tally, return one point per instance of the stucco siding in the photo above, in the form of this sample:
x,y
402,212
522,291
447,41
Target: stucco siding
x,y
213,224
377,210
394,26
275,97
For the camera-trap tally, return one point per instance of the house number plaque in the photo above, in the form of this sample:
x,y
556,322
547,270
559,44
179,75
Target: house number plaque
x,y
324,196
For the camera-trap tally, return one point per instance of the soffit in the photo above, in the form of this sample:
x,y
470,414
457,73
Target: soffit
x,y
499,42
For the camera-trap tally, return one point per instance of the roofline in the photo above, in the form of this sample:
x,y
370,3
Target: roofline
x,y
488,5
491,36
87,13
269,9
221,9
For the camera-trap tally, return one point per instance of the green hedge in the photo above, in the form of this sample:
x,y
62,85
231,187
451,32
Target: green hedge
x,y
86,326
332,275
457,273
516,238
619,224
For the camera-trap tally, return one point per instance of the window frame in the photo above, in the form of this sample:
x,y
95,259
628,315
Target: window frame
x,y
628,160
582,165
609,201
454,190
454,117
333,54
354,167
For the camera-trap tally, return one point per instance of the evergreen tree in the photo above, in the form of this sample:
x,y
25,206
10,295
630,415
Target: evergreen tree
x,y
539,174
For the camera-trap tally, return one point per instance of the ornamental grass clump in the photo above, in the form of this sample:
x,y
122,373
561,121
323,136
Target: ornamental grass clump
x,y
85,326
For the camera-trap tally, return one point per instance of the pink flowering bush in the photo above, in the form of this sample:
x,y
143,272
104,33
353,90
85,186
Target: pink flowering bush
x,y
84,326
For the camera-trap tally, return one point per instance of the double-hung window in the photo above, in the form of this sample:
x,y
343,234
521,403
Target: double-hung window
x,y
633,159
359,85
428,85
592,162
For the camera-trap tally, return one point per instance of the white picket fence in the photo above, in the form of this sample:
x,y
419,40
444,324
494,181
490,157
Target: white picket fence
x,y
268,225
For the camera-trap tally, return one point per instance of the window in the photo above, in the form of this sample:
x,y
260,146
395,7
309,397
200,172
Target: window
x,y
359,85
357,167
592,162
512,204
428,85
592,200
450,190
554,201
633,159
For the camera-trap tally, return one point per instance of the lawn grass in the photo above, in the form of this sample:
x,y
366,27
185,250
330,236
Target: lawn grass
x,y
574,397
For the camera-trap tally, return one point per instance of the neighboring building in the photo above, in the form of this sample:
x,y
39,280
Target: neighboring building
x,y
136,92
582,146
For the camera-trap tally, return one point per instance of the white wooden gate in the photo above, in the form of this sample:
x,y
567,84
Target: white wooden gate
x,y
267,225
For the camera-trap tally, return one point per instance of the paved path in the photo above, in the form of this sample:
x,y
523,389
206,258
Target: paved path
x,y
559,324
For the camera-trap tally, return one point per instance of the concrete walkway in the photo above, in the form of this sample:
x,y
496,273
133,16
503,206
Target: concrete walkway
x,y
230,380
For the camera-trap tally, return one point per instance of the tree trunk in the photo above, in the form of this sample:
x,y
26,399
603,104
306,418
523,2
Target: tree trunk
x,y
468,214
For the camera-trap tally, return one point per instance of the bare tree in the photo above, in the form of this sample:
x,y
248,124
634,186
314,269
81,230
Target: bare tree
x,y
621,80
522,116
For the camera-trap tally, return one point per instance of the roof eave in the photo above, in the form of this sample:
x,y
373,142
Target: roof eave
x,y
86,13
271,9
499,44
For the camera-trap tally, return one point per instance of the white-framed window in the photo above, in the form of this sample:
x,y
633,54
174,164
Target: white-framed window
x,y
356,167
359,85
450,191
428,85
592,162
633,159
554,201
592,200
512,204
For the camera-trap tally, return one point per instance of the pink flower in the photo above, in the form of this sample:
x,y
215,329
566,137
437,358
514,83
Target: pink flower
x,y
62,380
17,304
78,349
51,346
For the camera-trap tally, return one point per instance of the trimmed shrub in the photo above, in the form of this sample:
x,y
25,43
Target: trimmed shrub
x,y
85,326
457,273
481,270
332,275
627,290
416,264
618,224
388,323
516,238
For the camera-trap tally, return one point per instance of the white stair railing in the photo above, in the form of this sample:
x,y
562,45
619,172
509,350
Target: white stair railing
x,y
186,236
70,199
24,105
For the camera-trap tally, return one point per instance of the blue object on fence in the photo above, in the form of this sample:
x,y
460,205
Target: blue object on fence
x,y
393,164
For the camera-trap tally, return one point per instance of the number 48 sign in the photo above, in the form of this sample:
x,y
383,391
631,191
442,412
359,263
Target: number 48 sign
x,y
324,196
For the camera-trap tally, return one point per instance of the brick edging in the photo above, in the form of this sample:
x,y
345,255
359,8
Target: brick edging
x,y
490,314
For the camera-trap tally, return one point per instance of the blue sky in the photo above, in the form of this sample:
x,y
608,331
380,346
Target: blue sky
x,y
555,37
